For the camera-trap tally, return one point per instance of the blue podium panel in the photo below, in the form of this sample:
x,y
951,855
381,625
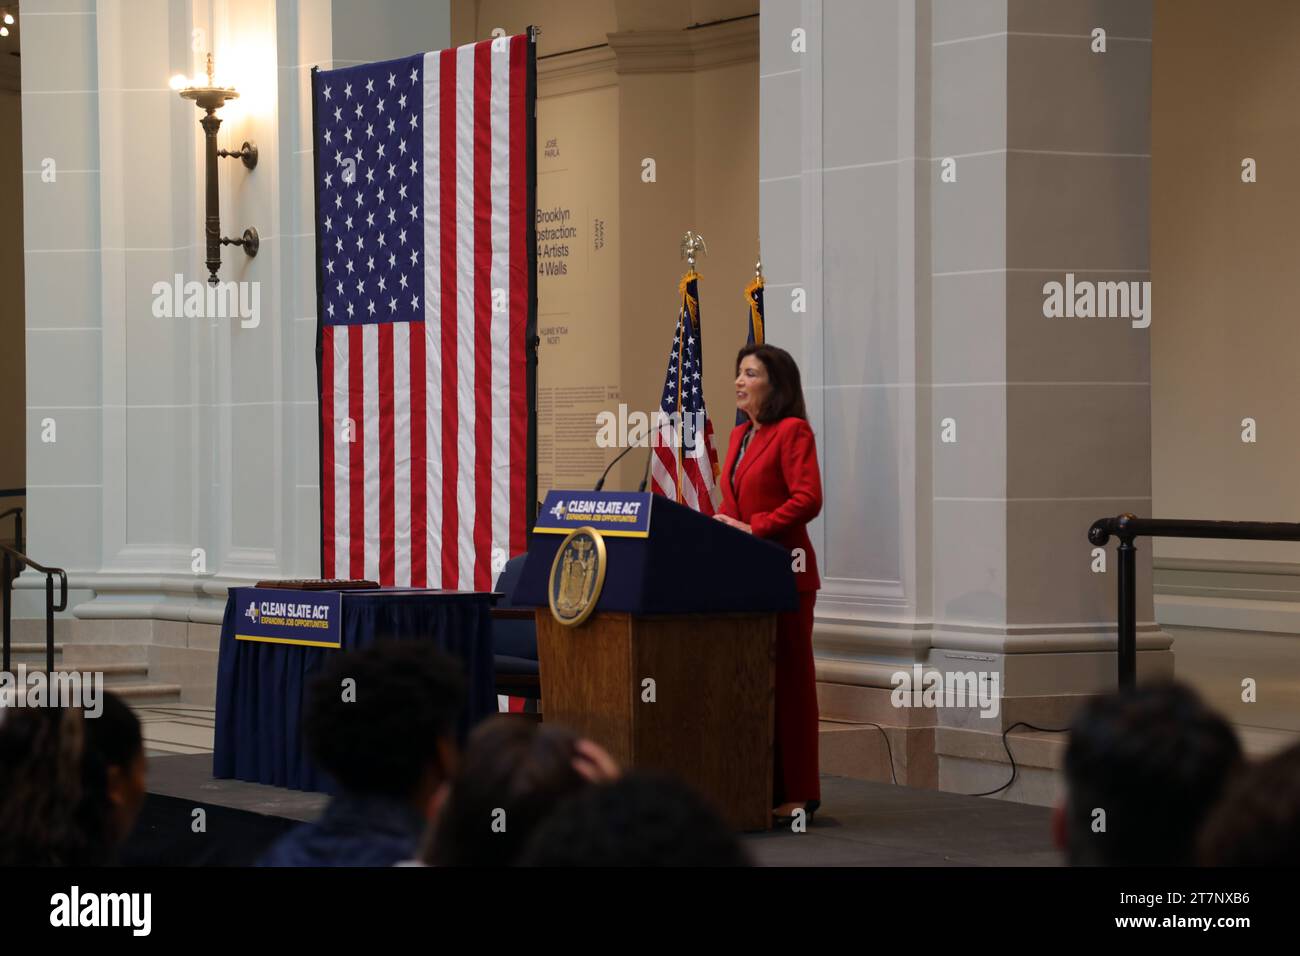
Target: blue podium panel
x,y
261,684
687,563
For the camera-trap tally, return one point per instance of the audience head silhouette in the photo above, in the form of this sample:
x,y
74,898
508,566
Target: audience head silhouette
x,y
381,722
1258,822
513,774
1143,768
71,786
642,819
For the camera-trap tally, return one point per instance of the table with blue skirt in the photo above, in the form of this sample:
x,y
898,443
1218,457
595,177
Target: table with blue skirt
x,y
261,687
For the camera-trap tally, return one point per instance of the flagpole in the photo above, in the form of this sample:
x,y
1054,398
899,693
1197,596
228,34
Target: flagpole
x,y
751,296
681,333
320,334
757,334
691,243
532,341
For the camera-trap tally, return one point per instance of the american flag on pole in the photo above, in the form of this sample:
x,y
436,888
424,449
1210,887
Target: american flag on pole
x,y
683,463
426,250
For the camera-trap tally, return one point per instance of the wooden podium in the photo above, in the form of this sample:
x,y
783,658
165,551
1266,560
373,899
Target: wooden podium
x,y
674,670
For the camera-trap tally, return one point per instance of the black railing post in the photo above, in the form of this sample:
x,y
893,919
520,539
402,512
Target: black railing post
x,y
49,625
8,598
1127,527
1126,646
14,560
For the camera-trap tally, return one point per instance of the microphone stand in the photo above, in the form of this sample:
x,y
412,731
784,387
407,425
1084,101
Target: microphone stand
x,y
617,458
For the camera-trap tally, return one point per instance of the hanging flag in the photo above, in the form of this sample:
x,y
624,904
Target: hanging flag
x,y
754,298
426,249
683,463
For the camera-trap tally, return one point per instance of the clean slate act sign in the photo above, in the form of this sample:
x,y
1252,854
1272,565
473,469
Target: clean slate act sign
x,y
275,616
620,513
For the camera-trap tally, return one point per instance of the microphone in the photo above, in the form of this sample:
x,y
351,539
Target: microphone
x,y
617,458
646,477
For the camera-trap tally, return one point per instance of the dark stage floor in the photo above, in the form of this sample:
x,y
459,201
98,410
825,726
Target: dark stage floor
x,y
878,824
860,824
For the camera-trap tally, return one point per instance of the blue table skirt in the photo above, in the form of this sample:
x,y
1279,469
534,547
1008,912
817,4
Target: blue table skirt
x,y
261,687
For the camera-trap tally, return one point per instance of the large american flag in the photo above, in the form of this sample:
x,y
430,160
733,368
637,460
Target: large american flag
x,y
426,289
683,463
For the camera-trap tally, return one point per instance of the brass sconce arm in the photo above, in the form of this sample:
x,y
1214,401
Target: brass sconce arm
x,y
211,98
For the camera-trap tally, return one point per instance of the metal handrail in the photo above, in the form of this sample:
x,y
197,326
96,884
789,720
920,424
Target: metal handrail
x,y
17,512
1126,527
8,558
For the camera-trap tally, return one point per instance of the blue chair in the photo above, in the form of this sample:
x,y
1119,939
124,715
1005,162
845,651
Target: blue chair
x,y
514,638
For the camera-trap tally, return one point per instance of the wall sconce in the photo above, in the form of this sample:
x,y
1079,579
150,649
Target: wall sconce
x,y
211,98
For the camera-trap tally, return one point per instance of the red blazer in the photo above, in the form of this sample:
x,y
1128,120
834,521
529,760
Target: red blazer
x,y
777,488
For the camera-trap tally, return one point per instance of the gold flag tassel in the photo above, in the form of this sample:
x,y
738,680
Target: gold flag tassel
x,y
755,316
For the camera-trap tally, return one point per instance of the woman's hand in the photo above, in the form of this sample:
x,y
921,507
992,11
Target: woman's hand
x,y
594,763
728,520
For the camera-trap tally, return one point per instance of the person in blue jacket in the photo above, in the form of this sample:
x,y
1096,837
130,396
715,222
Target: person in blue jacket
x,y
388,739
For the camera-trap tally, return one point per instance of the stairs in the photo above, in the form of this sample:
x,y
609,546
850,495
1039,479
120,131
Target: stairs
x,y
129,679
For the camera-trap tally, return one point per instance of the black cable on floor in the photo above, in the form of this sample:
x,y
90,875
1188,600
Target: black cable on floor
x,y
1006,746
888,749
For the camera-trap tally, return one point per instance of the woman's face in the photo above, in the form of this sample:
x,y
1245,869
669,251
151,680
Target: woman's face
x,y
752,386
126,792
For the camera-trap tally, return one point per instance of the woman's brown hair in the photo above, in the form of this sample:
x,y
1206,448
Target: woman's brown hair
x,y
511,767
785,392
55,809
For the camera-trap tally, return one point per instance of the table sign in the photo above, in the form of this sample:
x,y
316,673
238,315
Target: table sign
x,y
283,616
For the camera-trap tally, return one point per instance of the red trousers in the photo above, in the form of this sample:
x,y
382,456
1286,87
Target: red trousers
x,y
794,777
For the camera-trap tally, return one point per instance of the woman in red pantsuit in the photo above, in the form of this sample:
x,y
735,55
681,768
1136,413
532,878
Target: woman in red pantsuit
x,y
772,488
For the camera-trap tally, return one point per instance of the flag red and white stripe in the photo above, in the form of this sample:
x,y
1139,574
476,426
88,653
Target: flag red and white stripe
x,y
424,226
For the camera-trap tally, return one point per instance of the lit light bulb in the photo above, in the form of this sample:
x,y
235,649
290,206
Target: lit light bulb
x,y
9,19
179,81
4,31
